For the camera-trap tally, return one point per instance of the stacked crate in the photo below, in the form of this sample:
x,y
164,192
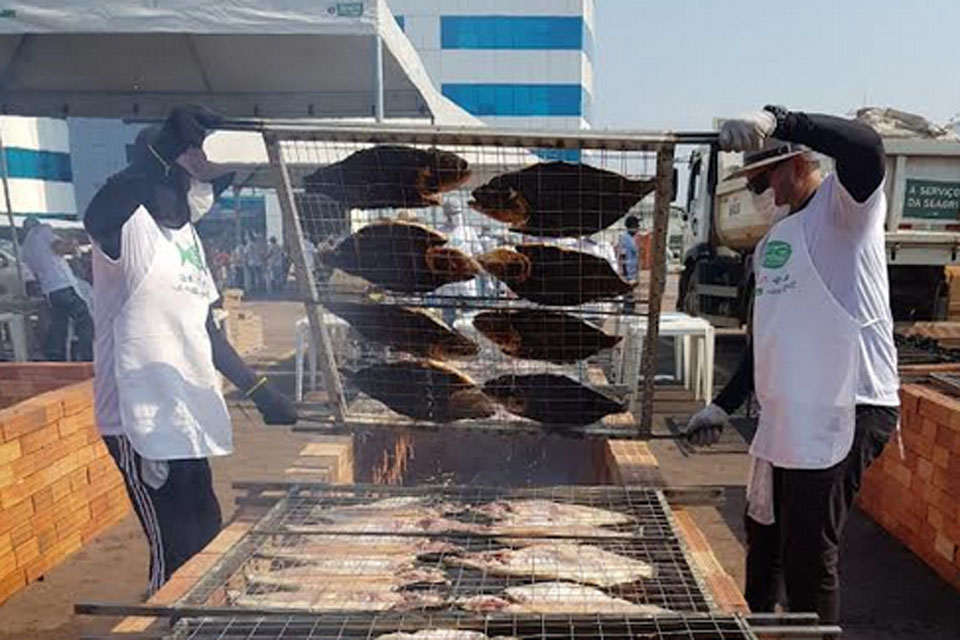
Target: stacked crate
x,y
243,328
917,498
59,486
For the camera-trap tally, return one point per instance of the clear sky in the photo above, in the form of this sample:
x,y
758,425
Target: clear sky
x,y
675,64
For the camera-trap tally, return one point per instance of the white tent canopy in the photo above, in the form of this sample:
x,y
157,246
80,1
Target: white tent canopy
x,y
242,58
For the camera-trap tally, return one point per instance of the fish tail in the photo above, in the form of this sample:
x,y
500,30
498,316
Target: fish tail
x,y
641,188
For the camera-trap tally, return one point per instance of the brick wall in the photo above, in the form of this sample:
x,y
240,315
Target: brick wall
x,y
19,381
917,498
59,486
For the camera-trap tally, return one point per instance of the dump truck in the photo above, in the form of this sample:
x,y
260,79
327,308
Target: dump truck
x,y
725,221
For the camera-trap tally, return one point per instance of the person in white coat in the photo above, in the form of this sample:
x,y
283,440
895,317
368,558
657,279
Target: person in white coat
x,y
43,252
822,360
463,237
158,352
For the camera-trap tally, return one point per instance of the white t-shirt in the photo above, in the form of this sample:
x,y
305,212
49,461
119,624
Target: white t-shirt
x,y
49,267
115,281
847,245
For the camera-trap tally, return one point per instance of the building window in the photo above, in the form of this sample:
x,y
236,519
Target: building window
x,y
511,32
518,99
567,155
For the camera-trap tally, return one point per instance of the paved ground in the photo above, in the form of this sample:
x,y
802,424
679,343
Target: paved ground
x,y
888,593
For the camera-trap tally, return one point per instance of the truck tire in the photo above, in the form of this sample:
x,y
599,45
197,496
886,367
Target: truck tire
x,y
689,299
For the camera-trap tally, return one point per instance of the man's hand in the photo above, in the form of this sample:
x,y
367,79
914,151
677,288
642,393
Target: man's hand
x,y
706,425
275,407
748,133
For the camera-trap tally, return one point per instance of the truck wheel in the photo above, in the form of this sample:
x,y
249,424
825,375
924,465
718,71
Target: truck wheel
x,y
690,301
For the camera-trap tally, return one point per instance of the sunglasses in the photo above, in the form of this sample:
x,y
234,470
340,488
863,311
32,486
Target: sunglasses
x,y
761,182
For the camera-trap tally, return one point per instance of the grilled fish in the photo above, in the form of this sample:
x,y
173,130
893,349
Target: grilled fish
x,y
424,390
389,525
406,329
548,512
389,176
347,545
559,198
555,597
374,575
340,599
536,334
403,257
551,399
581,563
552,275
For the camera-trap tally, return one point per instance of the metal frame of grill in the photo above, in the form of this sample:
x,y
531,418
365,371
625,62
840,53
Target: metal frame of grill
x,y
221,625
650,538
511,150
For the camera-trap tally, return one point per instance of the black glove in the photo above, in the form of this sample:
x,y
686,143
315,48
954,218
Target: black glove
x,y
275,407
184,127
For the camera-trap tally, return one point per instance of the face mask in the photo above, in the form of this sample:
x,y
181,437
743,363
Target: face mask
x,y
199,199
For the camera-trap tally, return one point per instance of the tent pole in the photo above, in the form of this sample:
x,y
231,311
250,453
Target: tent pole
x,y
378,78
13,226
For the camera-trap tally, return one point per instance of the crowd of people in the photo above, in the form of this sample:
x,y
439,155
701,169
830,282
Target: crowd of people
x,y
257,265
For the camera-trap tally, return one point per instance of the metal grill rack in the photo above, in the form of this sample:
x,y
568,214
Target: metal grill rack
x,y
437,580
530,298
544,628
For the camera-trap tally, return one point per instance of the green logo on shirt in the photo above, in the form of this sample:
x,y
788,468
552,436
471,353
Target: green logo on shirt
x,y
776,254
191,255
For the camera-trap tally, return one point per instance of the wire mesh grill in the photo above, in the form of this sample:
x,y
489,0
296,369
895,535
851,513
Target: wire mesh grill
x,y
479,550
468,282
452,628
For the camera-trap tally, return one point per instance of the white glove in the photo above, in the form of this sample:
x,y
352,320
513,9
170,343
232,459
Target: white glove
x,y
705,426
747,133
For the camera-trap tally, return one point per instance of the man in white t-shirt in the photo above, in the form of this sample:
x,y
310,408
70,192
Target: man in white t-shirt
x,y
158,352
822,361
43,253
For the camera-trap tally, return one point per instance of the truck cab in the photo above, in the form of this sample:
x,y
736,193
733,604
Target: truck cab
x,y
725,221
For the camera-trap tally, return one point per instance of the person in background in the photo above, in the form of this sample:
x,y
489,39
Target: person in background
x,y
628,258
274,262
463,237
238,266
43,253
159,353
822,359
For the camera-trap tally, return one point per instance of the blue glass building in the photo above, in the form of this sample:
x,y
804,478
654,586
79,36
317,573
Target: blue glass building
x,y
524,64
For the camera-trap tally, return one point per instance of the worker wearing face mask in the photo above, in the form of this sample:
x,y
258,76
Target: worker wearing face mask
x,y
157,351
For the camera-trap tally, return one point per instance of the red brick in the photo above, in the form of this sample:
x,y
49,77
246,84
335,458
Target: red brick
x,y
21,533
78,479
918,443
46,539
933,406
43,520
42,437
61,489
11,583
35,570
19,421
941,457
76,398
909,400
945,438
924,469
27,552
9,451
20,491
935,518
8,562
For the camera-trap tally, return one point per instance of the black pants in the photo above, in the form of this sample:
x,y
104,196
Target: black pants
x,y
179,518
66,305
800,551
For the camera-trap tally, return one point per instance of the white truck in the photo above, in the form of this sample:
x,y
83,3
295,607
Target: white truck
x,y
725,221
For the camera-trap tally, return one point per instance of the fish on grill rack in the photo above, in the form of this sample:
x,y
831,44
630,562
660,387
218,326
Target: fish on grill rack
x,y
549,512
559,198
555,597
338,598
441,634
554,276
537,334
393,571
402,257
407,329
581,563
389,176
403,524
551,399
424,390
348,545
